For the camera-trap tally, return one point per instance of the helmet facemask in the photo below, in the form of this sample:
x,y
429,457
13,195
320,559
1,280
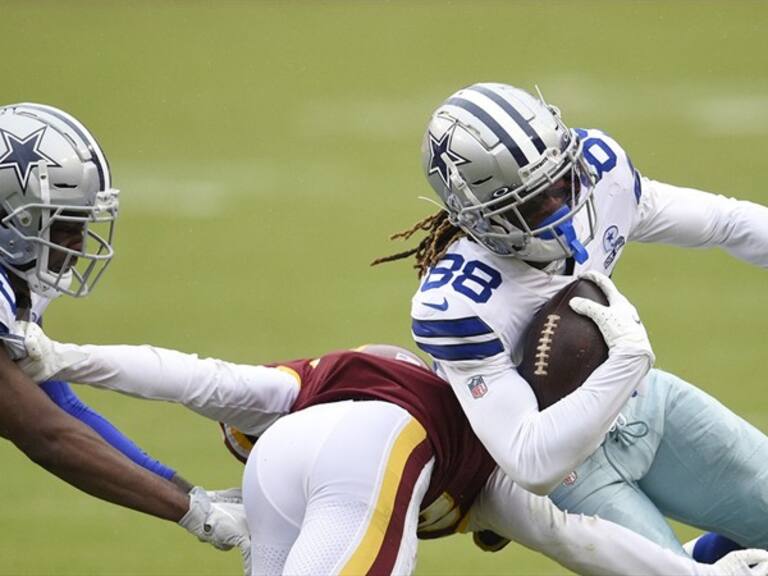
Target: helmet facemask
x,y
60,248
503,224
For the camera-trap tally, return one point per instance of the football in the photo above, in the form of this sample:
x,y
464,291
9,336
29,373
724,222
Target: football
x,y
560,347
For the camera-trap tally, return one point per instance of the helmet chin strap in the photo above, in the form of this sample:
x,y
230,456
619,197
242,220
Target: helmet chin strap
x,y
40,288
566,230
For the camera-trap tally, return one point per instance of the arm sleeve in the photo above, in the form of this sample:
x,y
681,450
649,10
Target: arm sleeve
x,y
247,397
584,544
63,396
538,449
695,219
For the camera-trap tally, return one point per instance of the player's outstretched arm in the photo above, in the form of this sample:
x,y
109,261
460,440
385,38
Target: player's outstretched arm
x,y
588,544
72,451
691,218
245,396
65,398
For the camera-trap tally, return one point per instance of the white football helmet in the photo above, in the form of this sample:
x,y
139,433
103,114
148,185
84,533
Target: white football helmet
x,y
510,173
55,184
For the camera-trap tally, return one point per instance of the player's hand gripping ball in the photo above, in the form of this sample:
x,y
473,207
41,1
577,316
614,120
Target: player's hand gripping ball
x,y
560,347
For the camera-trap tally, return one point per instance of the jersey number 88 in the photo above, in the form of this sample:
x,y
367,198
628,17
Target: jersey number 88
x,y
475,279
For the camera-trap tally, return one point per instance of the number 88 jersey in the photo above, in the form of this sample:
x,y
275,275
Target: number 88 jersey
x,y
473,306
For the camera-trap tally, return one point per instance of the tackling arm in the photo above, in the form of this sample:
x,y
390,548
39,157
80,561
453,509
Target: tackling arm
x,y
247,397
695,219
72,451
75,453
587,544
64,397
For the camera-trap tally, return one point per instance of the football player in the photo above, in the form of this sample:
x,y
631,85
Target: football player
x,y
527,204
375,452
57,215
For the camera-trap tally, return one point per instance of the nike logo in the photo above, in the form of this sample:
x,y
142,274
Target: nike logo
x,y
443,306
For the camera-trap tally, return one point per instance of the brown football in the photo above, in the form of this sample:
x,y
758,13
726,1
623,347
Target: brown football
x,y
560,347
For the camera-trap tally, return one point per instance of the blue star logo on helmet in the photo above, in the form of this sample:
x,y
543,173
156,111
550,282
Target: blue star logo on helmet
x,y
439,149
23,154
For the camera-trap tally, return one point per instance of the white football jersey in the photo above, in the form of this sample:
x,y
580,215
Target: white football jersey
x,y
472,308
504,293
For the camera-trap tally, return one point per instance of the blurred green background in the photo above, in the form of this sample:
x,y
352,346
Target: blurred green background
x,y
266,150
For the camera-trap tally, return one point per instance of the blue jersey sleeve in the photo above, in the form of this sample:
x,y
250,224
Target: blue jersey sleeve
x,y
61,393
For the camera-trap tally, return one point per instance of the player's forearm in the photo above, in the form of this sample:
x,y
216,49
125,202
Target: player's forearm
x,y
590,545
248,397
569,431
71,450
590,410
746,233
691,218
64,397
78,456
584,544
538,449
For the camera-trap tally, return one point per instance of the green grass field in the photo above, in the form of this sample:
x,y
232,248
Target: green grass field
x,y
266,150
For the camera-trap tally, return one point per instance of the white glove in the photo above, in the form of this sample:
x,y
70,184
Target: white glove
x,y
750,562
46,358
229,496
222,525
619,322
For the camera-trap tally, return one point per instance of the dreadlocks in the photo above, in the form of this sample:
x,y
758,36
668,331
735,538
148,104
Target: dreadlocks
x,y
440,234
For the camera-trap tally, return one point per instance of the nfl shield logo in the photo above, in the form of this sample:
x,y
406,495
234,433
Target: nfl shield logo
x,y
477,386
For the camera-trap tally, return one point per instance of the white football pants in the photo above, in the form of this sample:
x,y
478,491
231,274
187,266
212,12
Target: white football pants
x,y
336,489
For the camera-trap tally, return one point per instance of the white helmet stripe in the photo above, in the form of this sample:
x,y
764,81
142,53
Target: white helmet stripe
x,y
102,165
508,124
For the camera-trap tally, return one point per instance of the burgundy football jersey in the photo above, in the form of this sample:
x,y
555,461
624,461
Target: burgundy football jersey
x,y
462,465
